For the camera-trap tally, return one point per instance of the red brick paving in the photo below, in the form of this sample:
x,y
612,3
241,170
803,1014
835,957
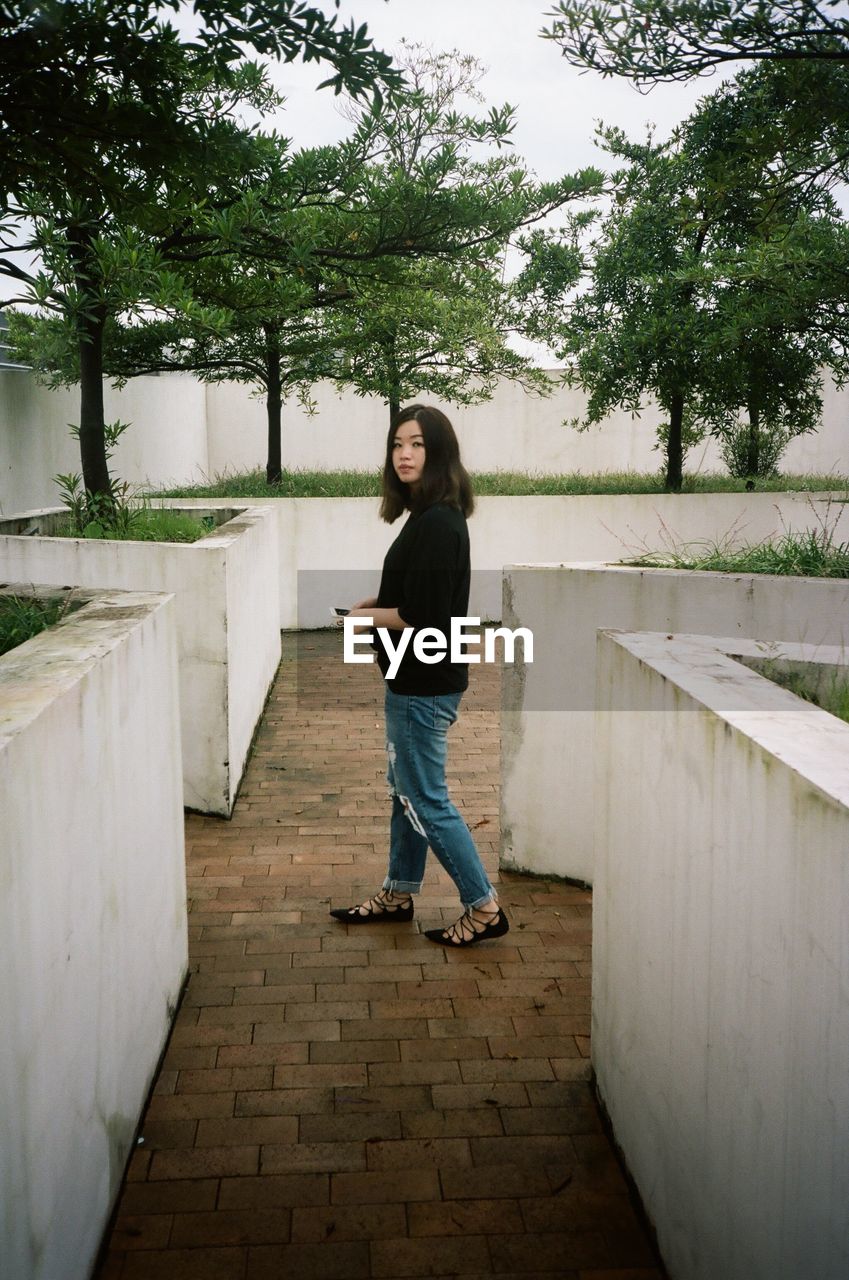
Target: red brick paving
x,y
349,1102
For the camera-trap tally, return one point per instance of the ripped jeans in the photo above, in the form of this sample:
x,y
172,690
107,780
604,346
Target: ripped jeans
x,y
422,812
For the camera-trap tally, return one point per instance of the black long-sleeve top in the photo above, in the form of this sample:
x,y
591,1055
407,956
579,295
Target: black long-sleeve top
x,y
426,577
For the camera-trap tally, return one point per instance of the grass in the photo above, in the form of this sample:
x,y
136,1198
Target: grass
x,y
151,525
832,694
366,484
812,553
144,524
22,617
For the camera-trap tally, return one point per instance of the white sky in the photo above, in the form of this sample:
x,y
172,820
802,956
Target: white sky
x,y
557,106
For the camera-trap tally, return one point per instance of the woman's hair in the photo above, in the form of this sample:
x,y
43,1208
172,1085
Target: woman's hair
x,y
444,478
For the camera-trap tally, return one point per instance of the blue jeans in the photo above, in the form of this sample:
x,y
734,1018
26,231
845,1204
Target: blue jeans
x,y
422,812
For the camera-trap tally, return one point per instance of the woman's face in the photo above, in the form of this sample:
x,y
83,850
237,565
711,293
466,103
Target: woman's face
x,y
408,453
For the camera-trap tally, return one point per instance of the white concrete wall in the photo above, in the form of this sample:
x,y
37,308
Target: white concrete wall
x,y
548,725
720,1034
253,629
515,431
227,626
183,431
332,549
166,442
93,937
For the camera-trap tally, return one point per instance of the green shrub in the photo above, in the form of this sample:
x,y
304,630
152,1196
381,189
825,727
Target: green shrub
x,y
22,617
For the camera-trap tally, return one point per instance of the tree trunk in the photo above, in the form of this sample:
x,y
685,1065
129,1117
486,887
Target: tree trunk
x,y
393,377
90,324
273,407
675,445
753,441
394,406
95,467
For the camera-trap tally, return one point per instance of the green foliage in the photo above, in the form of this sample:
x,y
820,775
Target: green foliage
x,y
748,450
831,693
812,553
122,517
377,263
122,161
121,514
94,89
649,40
717,279
441,324
366,484
22,617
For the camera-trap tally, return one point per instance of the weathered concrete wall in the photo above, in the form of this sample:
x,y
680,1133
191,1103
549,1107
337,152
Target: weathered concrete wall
x,y
514,431
182,431
331,549
166,442
720,1034
227,626
548,724
93,937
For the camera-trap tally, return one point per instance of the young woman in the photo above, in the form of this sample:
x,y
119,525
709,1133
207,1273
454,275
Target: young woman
x,y
425,582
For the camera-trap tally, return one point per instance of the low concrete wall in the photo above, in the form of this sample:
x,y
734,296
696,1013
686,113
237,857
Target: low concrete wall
x,y
720,1034
548,723
93,937
332,549
227,625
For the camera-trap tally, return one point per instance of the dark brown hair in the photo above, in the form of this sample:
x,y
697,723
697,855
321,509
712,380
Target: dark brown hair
x,y
444,478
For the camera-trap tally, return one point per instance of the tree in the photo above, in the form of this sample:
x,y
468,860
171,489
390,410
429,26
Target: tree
x,y
762,154
270,339
374,263
650,40
440,326
776,278
710,290
637,330
120,151
83,79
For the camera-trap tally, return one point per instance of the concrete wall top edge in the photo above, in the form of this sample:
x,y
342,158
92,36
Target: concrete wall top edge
x,y
45,667
594,566
222,536
801,735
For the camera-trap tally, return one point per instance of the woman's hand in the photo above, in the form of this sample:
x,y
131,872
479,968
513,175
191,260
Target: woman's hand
x,y
364,604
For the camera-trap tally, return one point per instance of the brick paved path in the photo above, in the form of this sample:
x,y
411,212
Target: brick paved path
x,y
341,1101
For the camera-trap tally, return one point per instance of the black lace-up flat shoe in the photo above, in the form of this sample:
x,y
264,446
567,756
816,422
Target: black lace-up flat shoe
x,y
466,931
377,911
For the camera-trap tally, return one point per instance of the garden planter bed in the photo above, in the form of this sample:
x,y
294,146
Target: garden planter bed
x,y
227,622
331,549
548,719
93,930
720,1037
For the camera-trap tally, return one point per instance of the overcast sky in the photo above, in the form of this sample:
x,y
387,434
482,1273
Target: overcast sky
x,y
556,104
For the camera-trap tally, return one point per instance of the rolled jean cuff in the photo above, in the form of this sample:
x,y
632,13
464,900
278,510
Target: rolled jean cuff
x,y
492,896
402,886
